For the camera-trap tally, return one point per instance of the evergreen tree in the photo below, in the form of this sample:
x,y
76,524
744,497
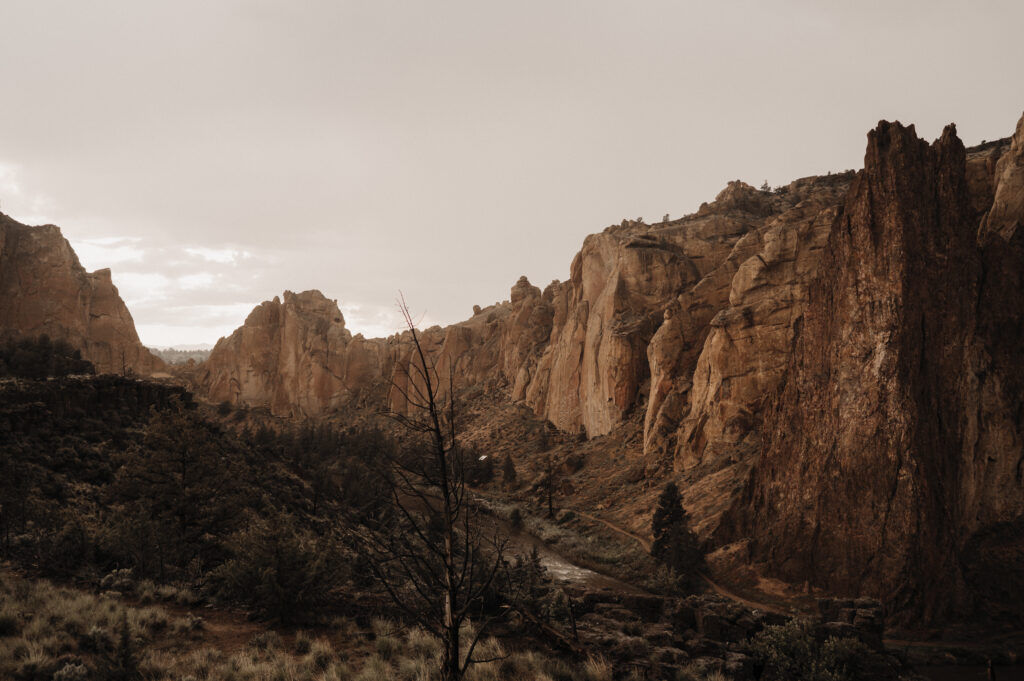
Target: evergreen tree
x,y
508,471
675,545
182,487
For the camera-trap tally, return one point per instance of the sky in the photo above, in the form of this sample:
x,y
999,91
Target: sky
x,y
215,153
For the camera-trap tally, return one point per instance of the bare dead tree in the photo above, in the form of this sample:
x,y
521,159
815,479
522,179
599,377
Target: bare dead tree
x,y
431,553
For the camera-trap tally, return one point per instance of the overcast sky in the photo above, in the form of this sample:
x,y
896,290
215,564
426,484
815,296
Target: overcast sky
x,y
214,153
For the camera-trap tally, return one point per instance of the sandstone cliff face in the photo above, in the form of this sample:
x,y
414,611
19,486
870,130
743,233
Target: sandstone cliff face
x,y
626,334
294,357
891,462
45,290
1005,217
739,331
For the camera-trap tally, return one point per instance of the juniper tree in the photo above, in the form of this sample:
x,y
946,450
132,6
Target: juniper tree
x,y
508,471
675,545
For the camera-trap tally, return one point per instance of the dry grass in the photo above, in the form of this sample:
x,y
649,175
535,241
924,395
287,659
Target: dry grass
x,y
597,669
50,632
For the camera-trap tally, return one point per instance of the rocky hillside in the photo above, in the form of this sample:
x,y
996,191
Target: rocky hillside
x,y
45,290
831,368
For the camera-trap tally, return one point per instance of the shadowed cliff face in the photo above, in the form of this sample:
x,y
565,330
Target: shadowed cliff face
x,y
45,290
895,441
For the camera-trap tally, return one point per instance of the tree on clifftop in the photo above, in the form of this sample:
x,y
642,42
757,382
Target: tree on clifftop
x,y
675,545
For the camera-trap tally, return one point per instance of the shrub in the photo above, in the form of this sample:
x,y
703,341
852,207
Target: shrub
x,y
515,519
72,672
321,654
119,580
792,652
285,572
387,647
375,669
265,640
421,643
10,623
302,643
121,661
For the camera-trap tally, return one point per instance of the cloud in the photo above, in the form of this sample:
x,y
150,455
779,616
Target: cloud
x,y
373,321
9,180
103,252
31,207
219,255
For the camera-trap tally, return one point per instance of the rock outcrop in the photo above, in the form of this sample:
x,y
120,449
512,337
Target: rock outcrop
x,y
296,358
1005,217
892,457
580,352
45,290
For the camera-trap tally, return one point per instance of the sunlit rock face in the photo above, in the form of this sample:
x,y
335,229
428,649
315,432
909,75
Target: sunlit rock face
x,y
890,459
1004,218
294,357
638,322
647,310
45,290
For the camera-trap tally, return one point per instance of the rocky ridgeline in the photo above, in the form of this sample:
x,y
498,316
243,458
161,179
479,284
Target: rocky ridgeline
x,y
45,290
627,331
296,358
832,369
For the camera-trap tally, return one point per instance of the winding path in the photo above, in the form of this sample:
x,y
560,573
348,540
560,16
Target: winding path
x,y
621,530
717,588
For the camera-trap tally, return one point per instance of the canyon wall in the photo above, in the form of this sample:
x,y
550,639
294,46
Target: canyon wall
x,y
831,370
45,290
892,462
622,336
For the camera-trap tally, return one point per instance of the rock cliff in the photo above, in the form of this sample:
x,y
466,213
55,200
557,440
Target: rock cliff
x,y
296,358
891,462
45,290
580,352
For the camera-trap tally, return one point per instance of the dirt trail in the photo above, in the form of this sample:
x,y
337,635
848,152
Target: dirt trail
x,y
717,588
788,612
722,591
621,530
